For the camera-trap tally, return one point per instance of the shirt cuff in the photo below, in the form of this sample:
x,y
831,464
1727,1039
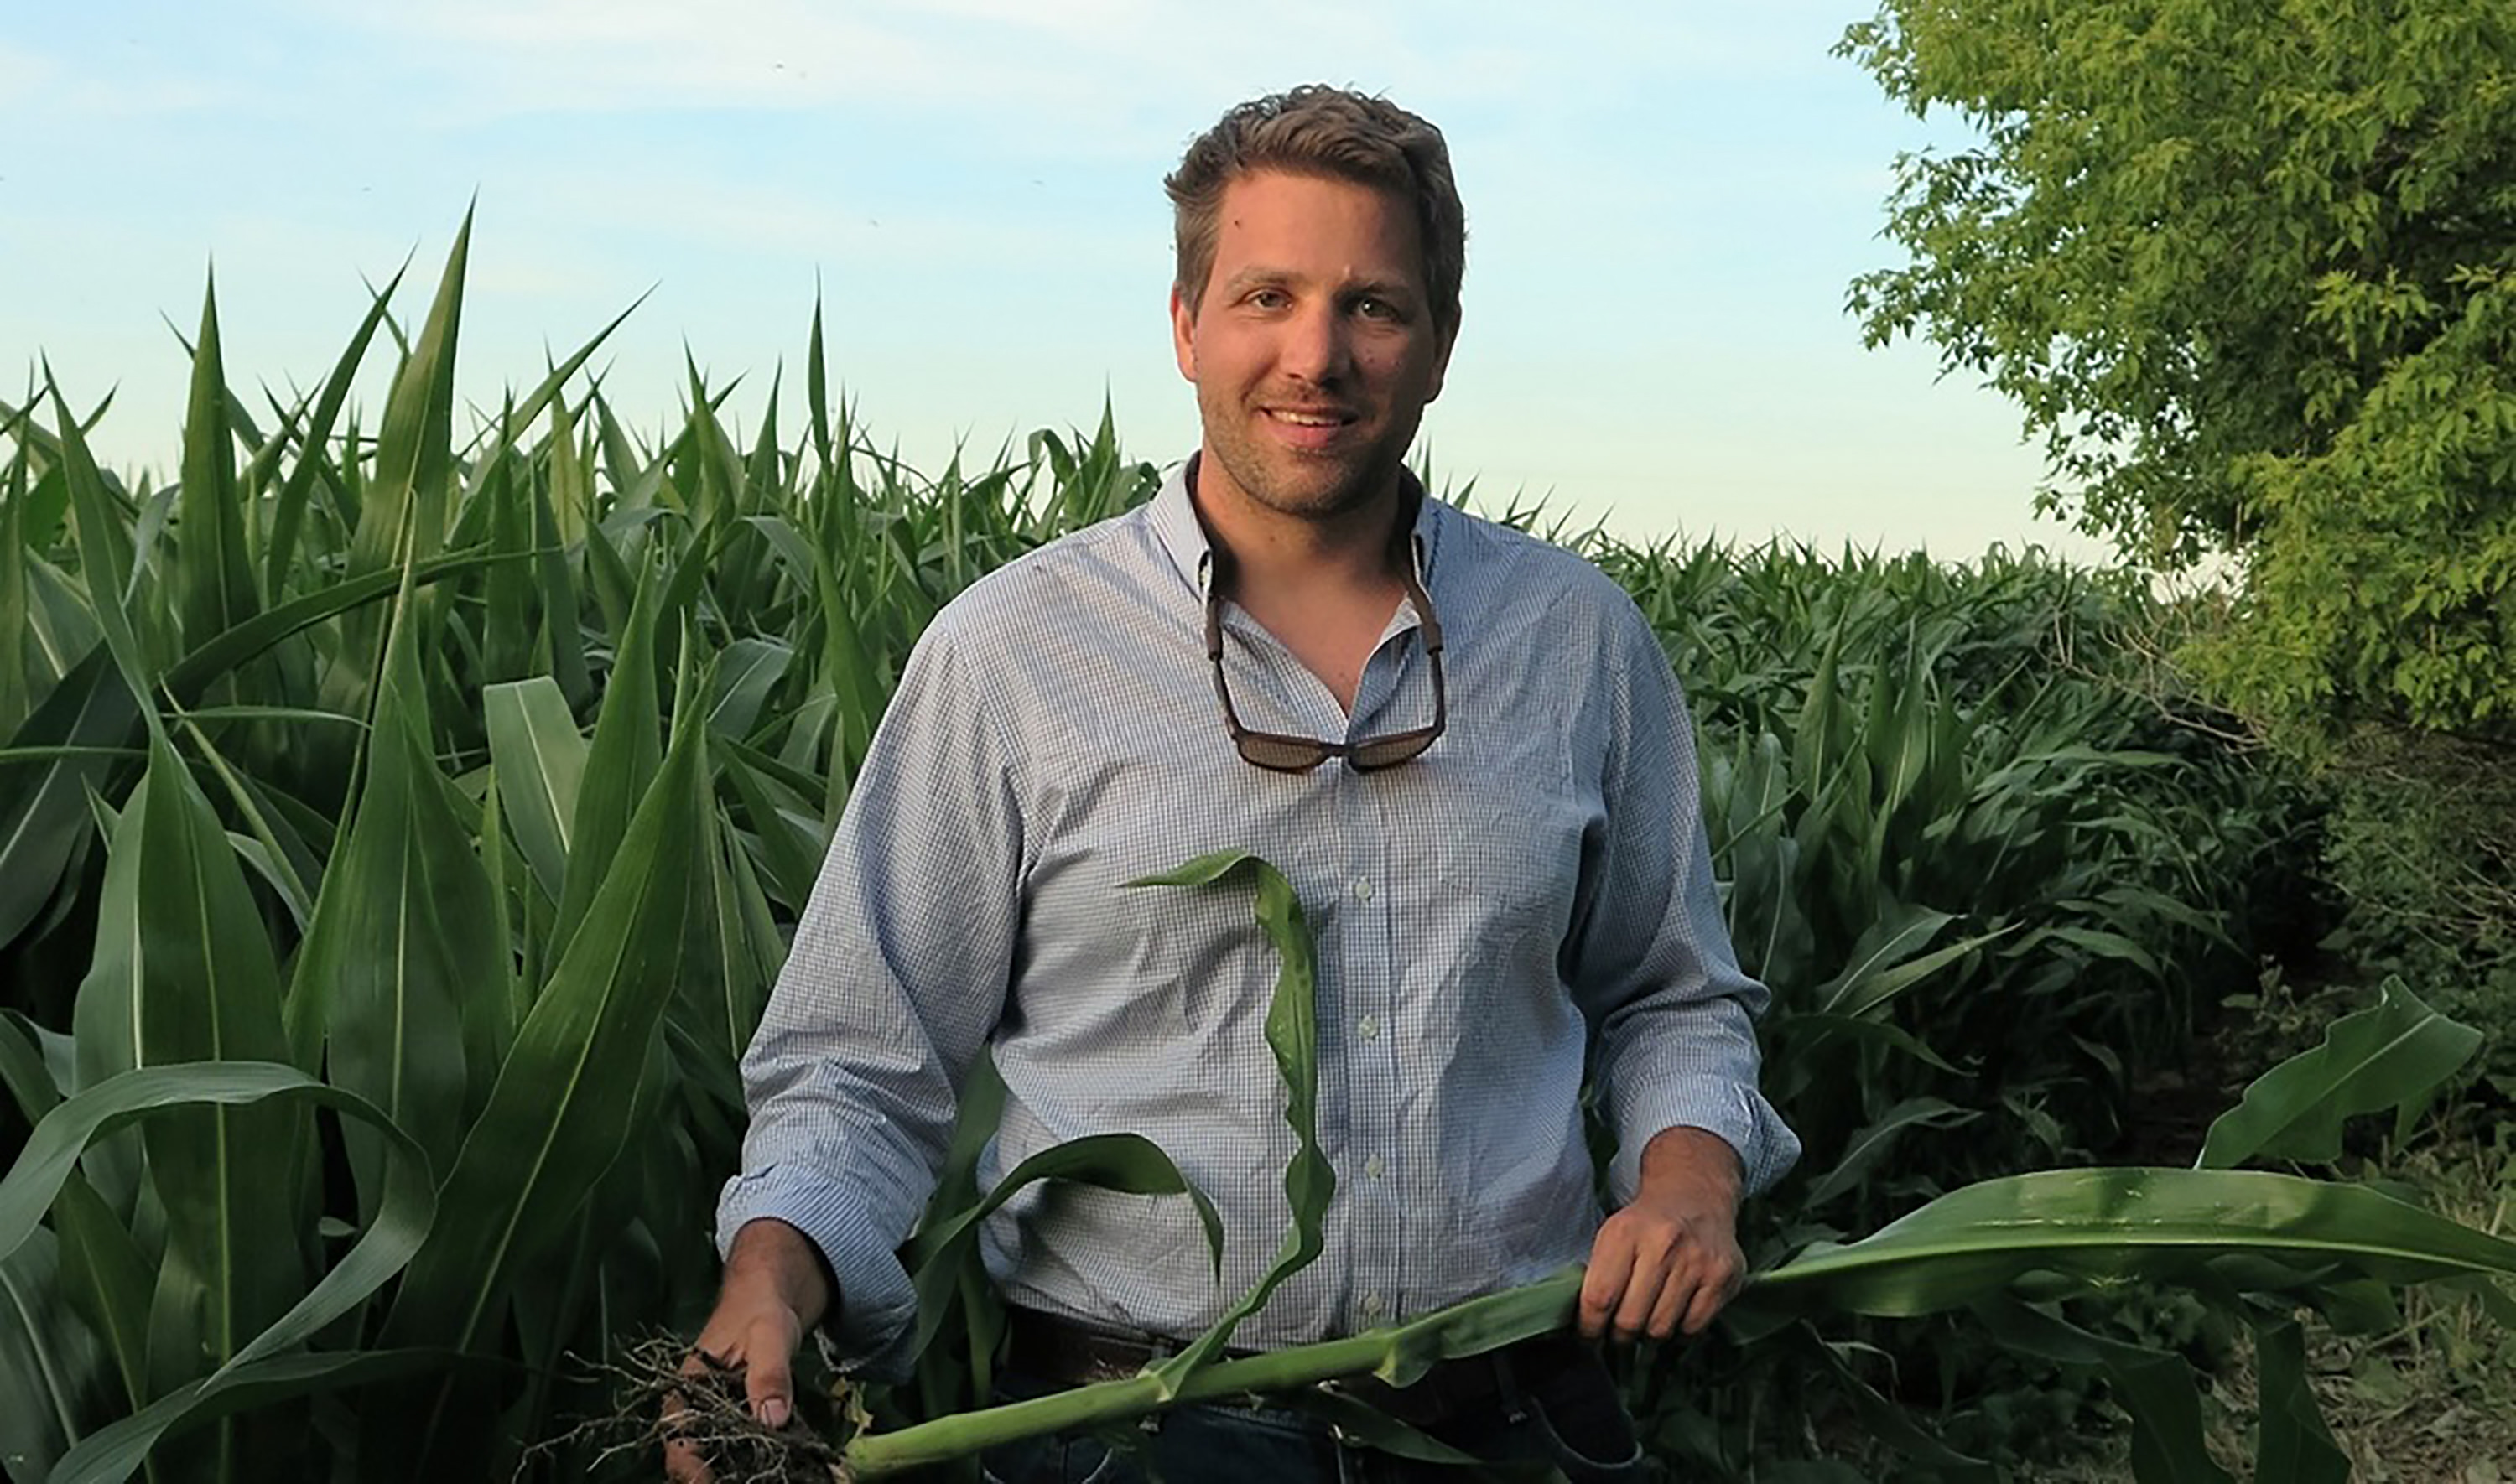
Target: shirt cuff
x,y
1734,1112
873,1320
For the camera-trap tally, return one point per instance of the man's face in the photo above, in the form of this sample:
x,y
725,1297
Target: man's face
x,y
1313,348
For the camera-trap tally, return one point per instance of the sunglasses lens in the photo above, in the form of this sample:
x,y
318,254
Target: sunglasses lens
x,y
1389,751
1285,755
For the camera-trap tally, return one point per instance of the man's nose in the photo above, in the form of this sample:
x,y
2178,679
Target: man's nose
x,y
1317,346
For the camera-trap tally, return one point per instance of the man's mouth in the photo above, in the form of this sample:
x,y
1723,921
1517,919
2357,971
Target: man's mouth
x,y
1310,430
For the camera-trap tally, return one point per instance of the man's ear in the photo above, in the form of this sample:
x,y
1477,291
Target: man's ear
x,y
1184,333
1441,361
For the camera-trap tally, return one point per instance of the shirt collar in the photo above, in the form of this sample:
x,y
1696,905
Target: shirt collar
x,y
1173,517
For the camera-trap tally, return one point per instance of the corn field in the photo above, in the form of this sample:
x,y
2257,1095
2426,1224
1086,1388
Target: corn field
x,y
401,827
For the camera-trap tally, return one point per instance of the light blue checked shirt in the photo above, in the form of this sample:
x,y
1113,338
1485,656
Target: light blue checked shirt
x,y
1537,881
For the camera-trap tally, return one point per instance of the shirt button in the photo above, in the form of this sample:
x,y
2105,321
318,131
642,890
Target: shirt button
x,y
1375,1166
1371,1304
1368,1027
1362,888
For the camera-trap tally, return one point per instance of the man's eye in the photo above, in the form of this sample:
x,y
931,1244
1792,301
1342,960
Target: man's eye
x,y
1267,299
1375,308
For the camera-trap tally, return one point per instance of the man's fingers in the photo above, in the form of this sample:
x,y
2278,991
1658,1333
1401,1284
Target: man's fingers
x,y
1611,1263
769,1385
1677,1298
1730,1275
1647,1292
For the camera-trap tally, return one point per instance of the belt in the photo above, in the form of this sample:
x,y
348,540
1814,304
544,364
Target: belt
x,y
1068,1353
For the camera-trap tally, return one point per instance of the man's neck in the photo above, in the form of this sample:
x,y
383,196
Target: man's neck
x,y
1268,552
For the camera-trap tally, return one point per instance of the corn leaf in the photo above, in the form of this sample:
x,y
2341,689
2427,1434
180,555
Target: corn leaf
x,y
54,1374
402,948
44,816
2118,1225
1293,1035
561,1110
2293,1443
2158,1388
540,759
213,572
2393,1055
208,991
1129,1163
620,764
412,489
150,1095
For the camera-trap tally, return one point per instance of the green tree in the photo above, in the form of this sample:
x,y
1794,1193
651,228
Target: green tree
x,y
2249,268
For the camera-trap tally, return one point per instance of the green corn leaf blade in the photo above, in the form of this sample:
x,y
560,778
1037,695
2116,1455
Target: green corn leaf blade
x,y
613,586
20,689
207,990
46,1168
412,489
101,1271
507,633
816,386
849,669
1871,995
782,829
109,1280
216,657
1892,1423
263,847
496,851
1806,1032
288,513
2156,1387
213,572
571,506
1899,932
1358,1423
54,1374
1822,730
1868,1146
2114,1225
2393,1055
401,952
60,624
541,759
622,762
117,1451
43,809
1129,1163
2293,1443
979,1110
2109,945
1294,1035
560,1111
726,985
559,643
104,557
750,672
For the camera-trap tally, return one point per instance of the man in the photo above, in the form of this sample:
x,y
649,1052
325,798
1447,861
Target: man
x,y
1461,745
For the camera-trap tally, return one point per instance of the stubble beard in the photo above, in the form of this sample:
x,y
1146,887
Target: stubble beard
x,y
1289,483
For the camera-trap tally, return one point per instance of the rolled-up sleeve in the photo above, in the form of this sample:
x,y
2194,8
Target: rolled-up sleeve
x,y
895,978
1652,967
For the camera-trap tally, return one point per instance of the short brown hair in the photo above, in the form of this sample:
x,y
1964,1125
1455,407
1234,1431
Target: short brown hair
x,y
1332,132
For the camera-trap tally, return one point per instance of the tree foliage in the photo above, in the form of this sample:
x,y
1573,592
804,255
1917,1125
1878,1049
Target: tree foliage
x,y
2249,270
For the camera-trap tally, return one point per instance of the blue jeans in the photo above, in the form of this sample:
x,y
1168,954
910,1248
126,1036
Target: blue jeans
x,y
1571,1421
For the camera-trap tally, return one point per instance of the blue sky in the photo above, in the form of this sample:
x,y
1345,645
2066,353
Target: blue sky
x,y
1665,205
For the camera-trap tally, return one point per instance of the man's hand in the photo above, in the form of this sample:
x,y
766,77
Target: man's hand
x,y
775,1290
1671,1260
